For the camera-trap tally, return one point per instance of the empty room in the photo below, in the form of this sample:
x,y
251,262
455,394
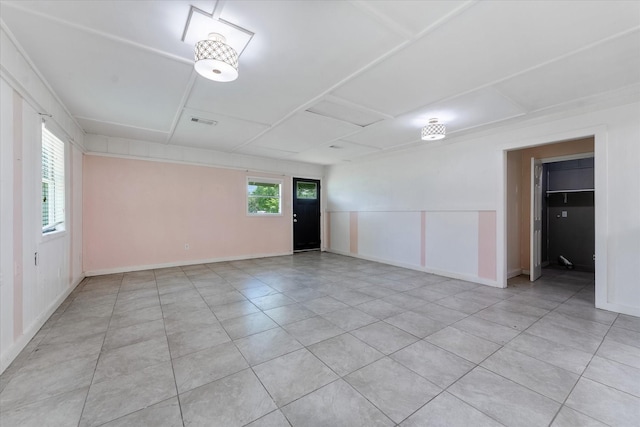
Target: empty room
x,y
319,213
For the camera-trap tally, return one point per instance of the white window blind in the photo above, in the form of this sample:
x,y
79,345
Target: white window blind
x,y
53,215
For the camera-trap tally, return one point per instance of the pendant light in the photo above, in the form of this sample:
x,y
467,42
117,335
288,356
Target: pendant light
x,y
216,60
433,131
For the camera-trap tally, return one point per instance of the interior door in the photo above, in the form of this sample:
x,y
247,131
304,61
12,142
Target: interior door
x,y
535,251
306,214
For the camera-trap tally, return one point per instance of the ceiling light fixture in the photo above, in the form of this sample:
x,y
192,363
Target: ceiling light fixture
x,y
433,131
216,60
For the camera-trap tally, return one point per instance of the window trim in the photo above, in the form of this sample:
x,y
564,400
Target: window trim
x,y
262,180
315,184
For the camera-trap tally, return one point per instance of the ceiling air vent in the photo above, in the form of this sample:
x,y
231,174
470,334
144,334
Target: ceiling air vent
x,y
203,121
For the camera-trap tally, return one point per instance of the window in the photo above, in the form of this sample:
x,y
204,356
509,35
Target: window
x,y
264,196
52,182
306,190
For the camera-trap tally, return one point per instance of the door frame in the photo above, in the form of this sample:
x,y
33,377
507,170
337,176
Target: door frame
x,y
599,134
535,219
323,210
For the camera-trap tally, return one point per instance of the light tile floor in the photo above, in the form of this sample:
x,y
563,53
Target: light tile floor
x,y
318,339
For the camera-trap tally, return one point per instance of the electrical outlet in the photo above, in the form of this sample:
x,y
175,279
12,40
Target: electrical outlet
x,y
186,246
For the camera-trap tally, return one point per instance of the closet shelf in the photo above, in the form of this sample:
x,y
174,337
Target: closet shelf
x,y
582,190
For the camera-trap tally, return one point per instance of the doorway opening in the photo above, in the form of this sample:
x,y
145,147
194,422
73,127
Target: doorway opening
x,y
568,224
553,206
306,214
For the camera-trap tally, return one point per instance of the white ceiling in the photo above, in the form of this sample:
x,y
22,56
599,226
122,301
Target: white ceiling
x,y
385,67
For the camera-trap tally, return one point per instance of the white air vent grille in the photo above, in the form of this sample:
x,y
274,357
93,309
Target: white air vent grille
x,y
203,121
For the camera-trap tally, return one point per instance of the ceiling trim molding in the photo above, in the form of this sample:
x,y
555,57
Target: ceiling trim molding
x,y
397,28
112,37
182,105
121,125
619,97
363,69
521,72
220,159
13,82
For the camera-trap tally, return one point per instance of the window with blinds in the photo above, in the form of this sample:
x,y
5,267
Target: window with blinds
x,y
52,182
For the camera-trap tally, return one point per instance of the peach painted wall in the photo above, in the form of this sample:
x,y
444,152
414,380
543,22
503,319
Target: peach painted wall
x,y
142,213
487,245
542,152
353,232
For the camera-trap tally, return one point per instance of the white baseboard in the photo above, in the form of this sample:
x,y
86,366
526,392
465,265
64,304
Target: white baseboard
x,y
130,268
14,350
514,273
449,274
618,308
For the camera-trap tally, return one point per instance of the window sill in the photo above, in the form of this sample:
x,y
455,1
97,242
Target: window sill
x,y
263,215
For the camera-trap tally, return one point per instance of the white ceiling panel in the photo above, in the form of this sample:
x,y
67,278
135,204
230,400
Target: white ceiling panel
x,y
603,68
101,79
120,131
410,17
470,110
488,42
305,130
388,133
336,152
338,109
147,23
299,50
372,71
225,134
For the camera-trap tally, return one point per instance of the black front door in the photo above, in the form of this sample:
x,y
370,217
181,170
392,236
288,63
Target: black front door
x,y
306,214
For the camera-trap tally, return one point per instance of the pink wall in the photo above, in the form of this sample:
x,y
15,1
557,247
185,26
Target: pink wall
x,y
353,232
142,213
487,245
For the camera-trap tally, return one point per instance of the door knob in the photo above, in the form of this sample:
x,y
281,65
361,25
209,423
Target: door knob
x,y
295,220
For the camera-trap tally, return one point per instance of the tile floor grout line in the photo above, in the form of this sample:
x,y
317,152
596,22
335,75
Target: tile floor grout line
x,y
84,405
478,365
581,376
301,268
166,336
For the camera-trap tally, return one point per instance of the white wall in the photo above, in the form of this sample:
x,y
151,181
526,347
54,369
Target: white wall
x,y
395,229
29,294
460,177
6,217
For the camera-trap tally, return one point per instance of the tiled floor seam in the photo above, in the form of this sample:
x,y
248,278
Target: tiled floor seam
x,y
26,353
580,377
290,274
99,354
166,336
445,390
508,379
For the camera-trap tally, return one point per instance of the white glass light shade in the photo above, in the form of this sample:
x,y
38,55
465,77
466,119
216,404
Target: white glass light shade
x,y
216,60
433,131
